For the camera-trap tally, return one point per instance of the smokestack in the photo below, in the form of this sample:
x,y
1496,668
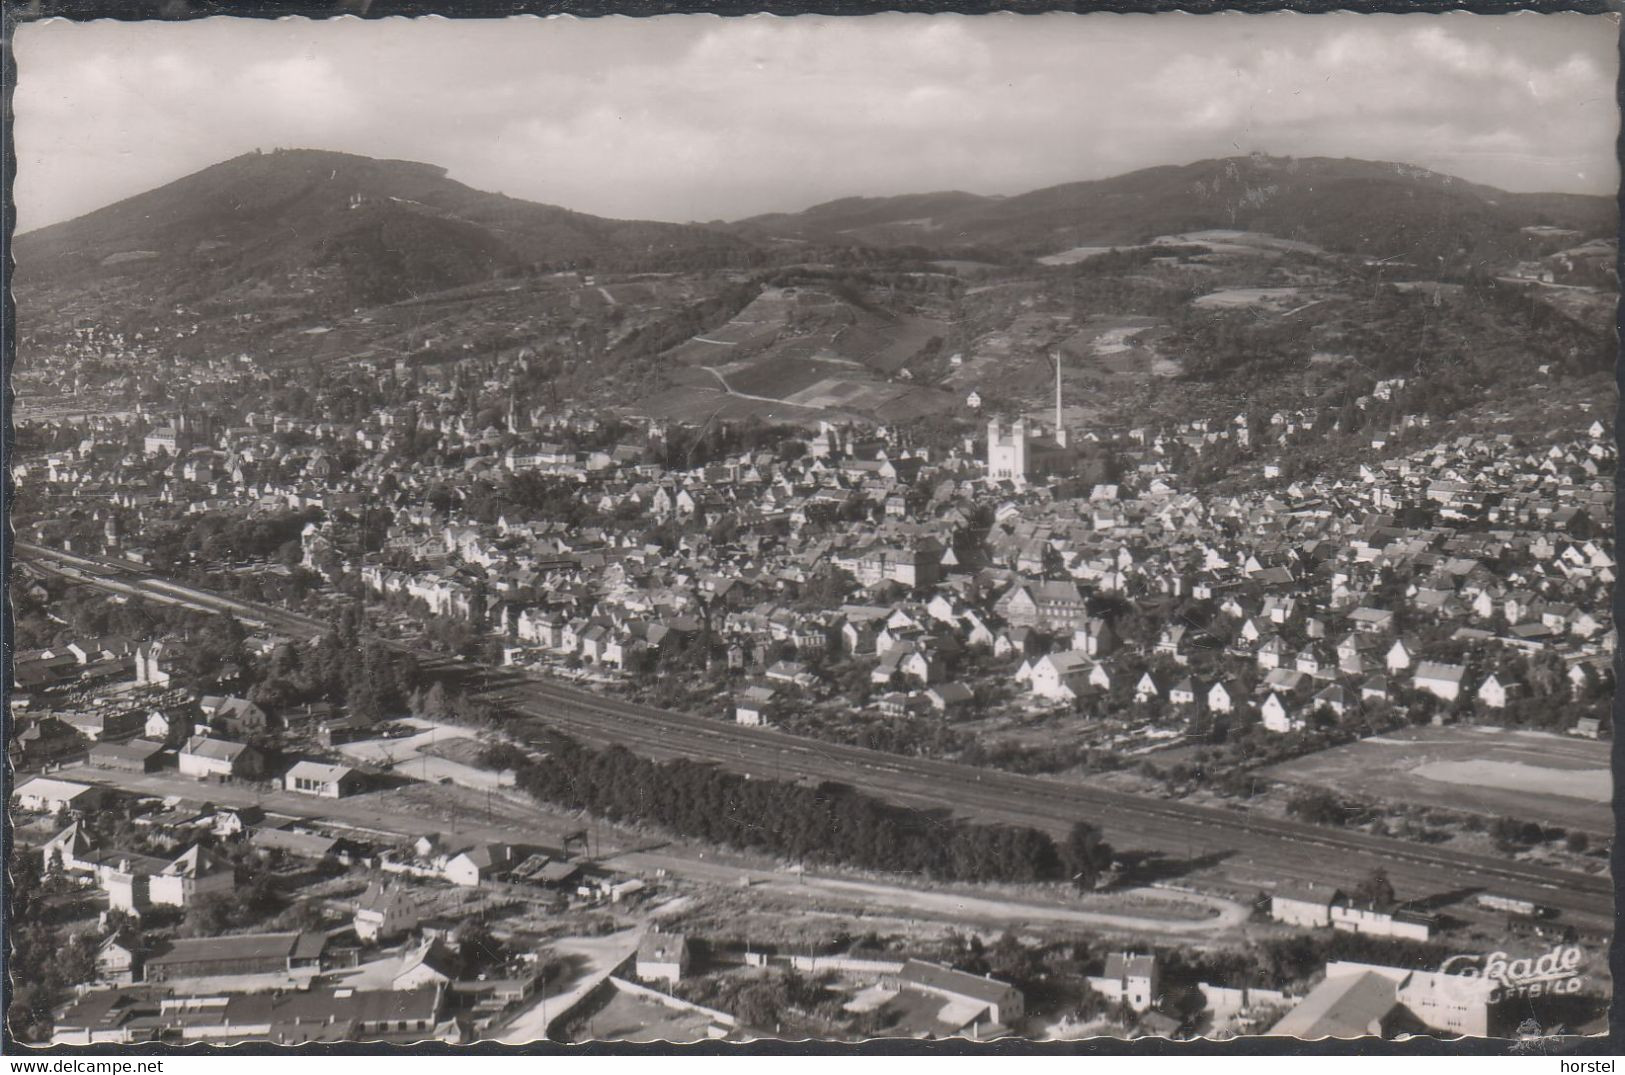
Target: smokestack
x,y
1060,431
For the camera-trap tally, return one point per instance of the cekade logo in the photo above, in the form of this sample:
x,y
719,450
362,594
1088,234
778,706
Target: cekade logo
x,y
1556,971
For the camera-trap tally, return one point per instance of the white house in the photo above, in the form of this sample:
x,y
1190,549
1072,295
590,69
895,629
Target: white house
x,y
385,911
194,873
1129,979
662,957
755,706
1493,693
204,758
44,794
1439,679
1278,717
1399,657
326,781
472,865
1061,677
429,964
1309,906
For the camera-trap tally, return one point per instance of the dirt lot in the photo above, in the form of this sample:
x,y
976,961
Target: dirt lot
x,y
1553,779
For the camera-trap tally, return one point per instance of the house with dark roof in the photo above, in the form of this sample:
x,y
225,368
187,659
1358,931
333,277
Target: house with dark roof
x,y
981,1000
194,873
304,845
1304,905
385,911
399,1016
134,756
108,1016
480,862
44,741
289,952
1129,978
662,957
431,963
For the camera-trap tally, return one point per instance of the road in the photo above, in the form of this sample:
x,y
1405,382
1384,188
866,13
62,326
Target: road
x,y
597,958
1242,848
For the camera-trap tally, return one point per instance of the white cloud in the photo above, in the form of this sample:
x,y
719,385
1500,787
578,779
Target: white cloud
x,y
696,116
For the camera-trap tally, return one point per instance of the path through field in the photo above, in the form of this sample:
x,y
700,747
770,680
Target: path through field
x,y
745,395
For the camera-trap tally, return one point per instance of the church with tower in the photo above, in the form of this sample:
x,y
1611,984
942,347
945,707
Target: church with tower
x,y
1021,451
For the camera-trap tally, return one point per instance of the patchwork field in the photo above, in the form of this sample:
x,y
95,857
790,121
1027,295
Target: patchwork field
x,y
1552,779
1120,345
1227,241
1217,241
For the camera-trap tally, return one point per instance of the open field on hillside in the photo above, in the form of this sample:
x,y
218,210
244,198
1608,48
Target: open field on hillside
x,y
887,346
695,403
781,377
1079,253
1248,296
1220,241
1552,779
702,353
1226,241
1121,345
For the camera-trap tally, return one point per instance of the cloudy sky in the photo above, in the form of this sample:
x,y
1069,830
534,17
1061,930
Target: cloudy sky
x,y
699,118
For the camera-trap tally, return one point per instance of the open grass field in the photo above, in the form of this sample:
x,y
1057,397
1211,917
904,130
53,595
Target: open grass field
x,y
1535,776
782,377
1120,345
1248,296
702,353
1080,253
1228,241
887,346
697,404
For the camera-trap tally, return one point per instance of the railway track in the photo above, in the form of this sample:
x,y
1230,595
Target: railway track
x,y
1270,848
1289,850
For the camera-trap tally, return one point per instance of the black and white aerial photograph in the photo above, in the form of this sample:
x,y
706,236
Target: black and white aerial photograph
x,y
1003,531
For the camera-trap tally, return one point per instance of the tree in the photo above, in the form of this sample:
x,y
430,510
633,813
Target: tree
x,y
1084,856
209,916
433,703
479,949
1376,889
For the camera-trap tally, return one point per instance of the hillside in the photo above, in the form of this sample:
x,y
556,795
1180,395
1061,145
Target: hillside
x,y
884,308
1371,208
348,230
